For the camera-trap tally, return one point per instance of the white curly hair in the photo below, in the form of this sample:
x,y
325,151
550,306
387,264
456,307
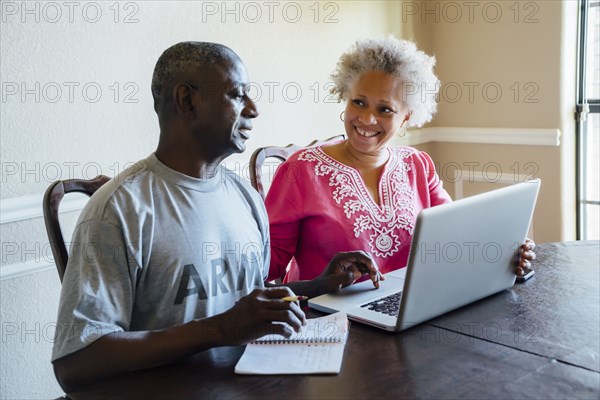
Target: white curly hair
x,y
400,58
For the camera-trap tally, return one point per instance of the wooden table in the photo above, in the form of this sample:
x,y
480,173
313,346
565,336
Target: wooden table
x,y
541,340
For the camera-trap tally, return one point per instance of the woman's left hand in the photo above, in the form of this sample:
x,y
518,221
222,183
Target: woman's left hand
x,y
526,255
346,267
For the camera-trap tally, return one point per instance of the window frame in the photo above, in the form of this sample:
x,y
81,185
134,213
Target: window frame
x,y
584,107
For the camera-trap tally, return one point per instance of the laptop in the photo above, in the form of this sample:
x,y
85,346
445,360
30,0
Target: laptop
x,y
461,252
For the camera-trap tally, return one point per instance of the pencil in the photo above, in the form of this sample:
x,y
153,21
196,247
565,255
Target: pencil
x,y
294,298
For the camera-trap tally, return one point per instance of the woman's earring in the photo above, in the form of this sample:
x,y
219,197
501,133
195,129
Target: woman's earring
x,y
402,131
342,116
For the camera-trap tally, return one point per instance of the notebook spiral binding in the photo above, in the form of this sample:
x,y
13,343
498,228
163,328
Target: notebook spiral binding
x,y
297,341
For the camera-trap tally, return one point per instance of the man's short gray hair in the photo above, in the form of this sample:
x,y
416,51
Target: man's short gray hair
x,y
400,58
187,57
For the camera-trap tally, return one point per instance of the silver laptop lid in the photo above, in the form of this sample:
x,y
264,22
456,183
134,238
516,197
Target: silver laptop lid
x,y
465,251
460,253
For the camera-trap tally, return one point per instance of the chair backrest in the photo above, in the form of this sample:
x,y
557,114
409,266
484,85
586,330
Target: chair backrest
x,y
258,158
52,198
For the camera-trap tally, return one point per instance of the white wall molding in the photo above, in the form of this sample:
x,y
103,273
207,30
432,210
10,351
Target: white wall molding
x,y
27,207
511,136
25,268
30,206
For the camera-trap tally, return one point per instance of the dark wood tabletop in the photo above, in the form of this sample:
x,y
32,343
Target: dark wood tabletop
x,y
539,340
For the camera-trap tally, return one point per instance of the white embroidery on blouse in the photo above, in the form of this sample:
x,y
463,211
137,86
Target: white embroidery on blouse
x,y
396,197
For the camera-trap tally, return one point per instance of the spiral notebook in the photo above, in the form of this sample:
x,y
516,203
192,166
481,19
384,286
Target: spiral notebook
x,y
317,349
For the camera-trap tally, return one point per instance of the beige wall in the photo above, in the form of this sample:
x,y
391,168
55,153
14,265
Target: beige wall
x,y
45,137
47,140
507,64
486,167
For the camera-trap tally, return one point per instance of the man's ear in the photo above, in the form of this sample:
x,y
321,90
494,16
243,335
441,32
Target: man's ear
x,y
182,97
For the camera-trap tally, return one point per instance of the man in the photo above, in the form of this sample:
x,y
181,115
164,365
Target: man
x,y
169,256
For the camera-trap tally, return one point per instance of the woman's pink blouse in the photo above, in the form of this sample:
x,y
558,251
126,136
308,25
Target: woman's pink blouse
x,y
318,207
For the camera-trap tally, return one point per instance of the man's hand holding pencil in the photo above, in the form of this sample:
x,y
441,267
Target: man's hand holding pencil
x,y
274,310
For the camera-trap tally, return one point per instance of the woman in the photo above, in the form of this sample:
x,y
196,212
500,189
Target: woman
x,y
361,193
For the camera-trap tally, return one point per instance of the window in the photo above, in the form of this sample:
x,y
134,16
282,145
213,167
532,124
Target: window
x,y
588,122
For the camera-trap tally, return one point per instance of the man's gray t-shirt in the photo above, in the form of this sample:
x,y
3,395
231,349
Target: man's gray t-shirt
x,y
155,248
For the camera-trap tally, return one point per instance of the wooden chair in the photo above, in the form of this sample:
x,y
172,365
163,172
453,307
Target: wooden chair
x,y
258,158
52,198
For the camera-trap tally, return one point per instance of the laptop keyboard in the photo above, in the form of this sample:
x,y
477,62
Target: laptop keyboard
x,y
386,305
